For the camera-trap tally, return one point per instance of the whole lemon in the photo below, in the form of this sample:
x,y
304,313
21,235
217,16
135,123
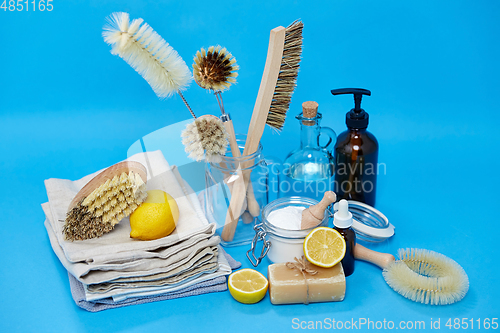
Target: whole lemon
x,y
154,218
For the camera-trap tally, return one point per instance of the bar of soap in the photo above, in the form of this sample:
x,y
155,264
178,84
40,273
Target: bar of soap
x,y
287,286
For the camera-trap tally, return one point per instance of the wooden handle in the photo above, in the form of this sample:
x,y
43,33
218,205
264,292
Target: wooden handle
x,y
109,173
235,207
252,204
382,260
266,90
257,123
313,215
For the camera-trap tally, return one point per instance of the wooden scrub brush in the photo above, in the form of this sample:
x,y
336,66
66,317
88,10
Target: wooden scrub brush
x,y
109,197
273,100
420,275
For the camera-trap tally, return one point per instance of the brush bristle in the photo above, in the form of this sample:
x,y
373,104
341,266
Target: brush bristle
x,y
205,137
148,53
215,69
102,209
427,277
287,78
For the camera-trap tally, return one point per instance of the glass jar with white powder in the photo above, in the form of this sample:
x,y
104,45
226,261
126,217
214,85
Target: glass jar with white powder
x,y
281,221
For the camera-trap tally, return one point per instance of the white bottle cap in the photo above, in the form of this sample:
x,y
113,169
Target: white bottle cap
x,y
342,218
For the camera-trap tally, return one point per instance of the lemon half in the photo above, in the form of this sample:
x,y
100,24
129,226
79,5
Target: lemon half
x,y
247,286
324,247
155,218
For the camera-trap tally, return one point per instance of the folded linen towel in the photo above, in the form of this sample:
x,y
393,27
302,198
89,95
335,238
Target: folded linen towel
x,y
111,246
209,286
201,279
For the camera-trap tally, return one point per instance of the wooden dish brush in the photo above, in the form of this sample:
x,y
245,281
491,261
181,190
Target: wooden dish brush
x,y
420,275
273,100
109,197
215,70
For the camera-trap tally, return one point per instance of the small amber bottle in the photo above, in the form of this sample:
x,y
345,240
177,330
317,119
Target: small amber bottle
x,y
342,221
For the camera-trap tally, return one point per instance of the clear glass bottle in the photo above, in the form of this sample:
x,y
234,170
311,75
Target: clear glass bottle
x,y
308,171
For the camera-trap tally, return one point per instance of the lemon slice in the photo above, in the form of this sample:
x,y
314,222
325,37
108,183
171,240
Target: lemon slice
x,y
324,247
247,286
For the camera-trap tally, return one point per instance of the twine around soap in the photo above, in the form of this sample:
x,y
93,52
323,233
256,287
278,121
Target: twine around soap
x,y
300,265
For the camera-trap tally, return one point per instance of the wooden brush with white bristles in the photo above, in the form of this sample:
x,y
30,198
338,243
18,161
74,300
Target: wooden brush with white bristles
x,y
422,276
108,198
273,100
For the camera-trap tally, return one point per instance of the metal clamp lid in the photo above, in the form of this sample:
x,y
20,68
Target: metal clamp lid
x,y
369,223
260,234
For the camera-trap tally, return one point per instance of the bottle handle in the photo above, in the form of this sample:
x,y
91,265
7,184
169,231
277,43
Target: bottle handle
x,y
332,136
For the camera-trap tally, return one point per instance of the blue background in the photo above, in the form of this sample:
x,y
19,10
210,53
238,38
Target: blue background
x,y
69,108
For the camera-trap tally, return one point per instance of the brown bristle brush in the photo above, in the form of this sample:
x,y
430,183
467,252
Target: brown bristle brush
x,y
215,70
273,100
108,198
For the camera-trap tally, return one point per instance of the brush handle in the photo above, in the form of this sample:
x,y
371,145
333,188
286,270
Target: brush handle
x,y
382,260
253,205
109,173
258,121
266,90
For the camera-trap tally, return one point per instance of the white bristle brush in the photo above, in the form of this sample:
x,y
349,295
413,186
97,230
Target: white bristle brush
x,y
149,54
420,275
108,198
207,138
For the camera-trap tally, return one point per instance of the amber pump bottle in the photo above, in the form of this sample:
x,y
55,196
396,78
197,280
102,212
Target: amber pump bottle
x,y
356,154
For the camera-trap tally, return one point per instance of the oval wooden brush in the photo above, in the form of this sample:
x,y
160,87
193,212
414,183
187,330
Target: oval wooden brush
x,y
420,275
109,197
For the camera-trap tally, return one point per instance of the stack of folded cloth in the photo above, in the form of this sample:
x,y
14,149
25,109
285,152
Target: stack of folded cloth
x,y
116,270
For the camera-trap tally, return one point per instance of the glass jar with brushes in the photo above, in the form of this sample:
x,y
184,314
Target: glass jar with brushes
x,y
253,174
308,170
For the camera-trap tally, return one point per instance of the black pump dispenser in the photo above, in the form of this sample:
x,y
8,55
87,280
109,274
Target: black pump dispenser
x,y
357,117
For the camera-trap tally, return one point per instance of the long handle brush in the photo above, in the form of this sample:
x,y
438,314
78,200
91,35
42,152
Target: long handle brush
x,y
273,100
215,70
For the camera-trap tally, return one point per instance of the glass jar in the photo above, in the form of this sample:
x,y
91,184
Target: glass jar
x,y
282,245
220,178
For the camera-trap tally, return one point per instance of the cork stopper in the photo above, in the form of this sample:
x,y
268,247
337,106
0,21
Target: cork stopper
x,y
309,110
